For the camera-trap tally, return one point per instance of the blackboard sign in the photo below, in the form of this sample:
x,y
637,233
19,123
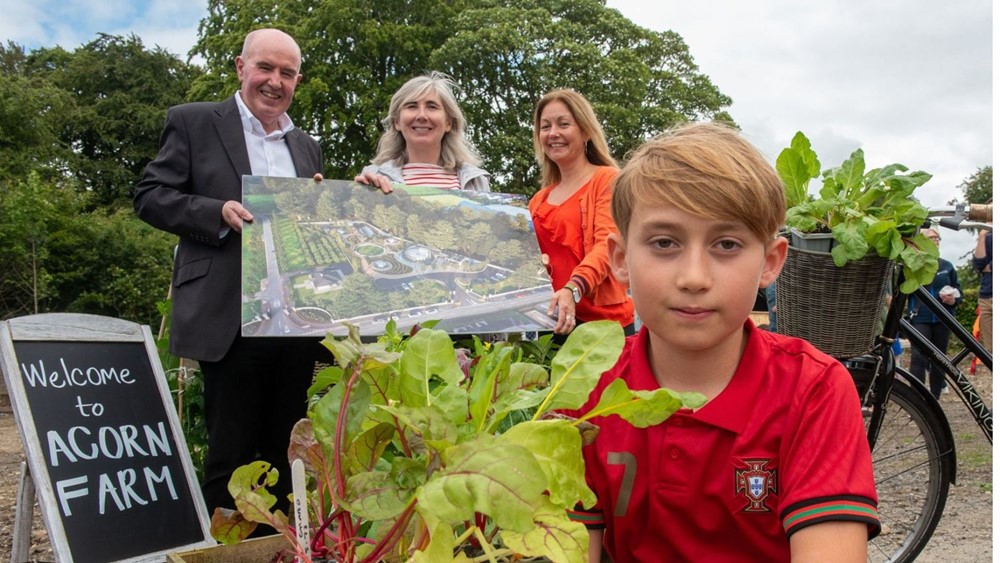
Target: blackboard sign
x,y
103,443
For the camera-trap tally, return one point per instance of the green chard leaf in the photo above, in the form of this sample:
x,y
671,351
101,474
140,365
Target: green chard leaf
x,y
518,389
325,412
592,349
248,486
442,544
429,423
557,446
852,244
384,384
555,537
429,354
489,476
507,403
642,408
851,173
483,388
453,401
379,495
885,239
344,351
920,263
330,375
523,375
796,166
364,452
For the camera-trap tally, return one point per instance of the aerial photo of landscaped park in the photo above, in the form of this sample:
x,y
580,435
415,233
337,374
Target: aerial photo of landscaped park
x,y
321,255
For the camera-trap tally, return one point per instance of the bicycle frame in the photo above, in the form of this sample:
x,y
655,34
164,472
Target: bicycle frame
x,y
970,396
896,323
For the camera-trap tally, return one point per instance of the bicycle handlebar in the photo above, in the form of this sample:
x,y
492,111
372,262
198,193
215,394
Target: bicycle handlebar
x,y
981,212
955,217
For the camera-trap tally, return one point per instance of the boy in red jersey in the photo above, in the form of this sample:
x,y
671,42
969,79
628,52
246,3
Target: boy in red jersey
x,y
775,466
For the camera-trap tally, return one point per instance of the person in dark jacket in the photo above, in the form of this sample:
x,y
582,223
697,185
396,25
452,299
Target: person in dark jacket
x,y
946,289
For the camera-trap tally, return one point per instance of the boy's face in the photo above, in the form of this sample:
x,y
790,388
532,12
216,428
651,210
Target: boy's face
x,y
694,280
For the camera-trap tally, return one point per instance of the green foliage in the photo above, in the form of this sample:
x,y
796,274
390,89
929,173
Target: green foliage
x,y
76,129
117,93
507,54
32,110
187,385
404,441
503,54
115,265
872,211
978,187
968,278
60,257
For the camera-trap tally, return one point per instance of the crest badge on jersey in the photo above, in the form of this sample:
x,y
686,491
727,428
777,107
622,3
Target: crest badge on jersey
x,y
756,481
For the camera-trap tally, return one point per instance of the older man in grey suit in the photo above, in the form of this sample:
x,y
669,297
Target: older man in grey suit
x,y
255,389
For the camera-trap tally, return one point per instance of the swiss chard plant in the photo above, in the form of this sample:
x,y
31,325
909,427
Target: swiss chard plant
x,y
416,451
866,211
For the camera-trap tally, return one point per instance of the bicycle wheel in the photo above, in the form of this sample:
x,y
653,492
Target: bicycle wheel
x,y
912,466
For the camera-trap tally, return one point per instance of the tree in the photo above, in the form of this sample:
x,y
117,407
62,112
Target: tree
x,y
114,265
120,92
978,188
504,54
59,257
32,110
507,54
30,217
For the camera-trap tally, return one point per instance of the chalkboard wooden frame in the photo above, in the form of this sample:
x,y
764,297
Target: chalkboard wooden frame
x,y
73,329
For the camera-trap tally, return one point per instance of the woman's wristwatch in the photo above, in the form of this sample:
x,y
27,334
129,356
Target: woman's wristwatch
x,y
574,290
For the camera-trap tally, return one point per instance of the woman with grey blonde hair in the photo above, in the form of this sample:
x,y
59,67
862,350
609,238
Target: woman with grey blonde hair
x,y
424,141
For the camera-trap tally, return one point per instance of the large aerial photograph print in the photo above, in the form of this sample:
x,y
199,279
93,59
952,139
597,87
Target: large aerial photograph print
x,y
321,255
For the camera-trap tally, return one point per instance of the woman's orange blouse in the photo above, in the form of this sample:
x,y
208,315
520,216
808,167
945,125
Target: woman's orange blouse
x,y
574,235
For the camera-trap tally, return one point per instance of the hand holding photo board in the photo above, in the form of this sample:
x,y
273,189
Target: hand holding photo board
x,y
104,447
319,254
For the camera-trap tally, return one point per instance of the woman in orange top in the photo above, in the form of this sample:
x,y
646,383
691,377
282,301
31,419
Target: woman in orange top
x,y
572,213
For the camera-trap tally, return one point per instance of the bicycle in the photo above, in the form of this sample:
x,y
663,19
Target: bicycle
x,y
913,450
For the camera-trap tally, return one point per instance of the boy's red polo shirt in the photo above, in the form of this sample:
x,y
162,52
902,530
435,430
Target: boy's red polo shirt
x,y
782,447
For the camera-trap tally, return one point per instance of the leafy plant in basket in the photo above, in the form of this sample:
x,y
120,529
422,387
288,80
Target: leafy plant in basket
x,y
417,451
865,211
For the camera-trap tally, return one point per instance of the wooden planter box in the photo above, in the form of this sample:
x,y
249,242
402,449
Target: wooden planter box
x,y
255,550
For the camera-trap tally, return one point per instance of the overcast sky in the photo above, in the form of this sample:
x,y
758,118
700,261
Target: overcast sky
x,y
907,81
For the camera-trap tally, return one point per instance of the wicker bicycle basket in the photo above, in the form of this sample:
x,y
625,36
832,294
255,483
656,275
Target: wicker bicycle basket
x,y
837,309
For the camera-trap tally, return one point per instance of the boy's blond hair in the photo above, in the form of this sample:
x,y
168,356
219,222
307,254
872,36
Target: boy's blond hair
x,y
707,170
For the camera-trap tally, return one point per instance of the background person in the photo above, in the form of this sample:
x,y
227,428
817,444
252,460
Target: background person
x,y
424,143
944,288
572,213
775,466
982,260
255,388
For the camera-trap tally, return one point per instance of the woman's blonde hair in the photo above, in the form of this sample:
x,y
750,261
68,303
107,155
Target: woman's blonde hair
x,y
596,149
707,170
456,150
